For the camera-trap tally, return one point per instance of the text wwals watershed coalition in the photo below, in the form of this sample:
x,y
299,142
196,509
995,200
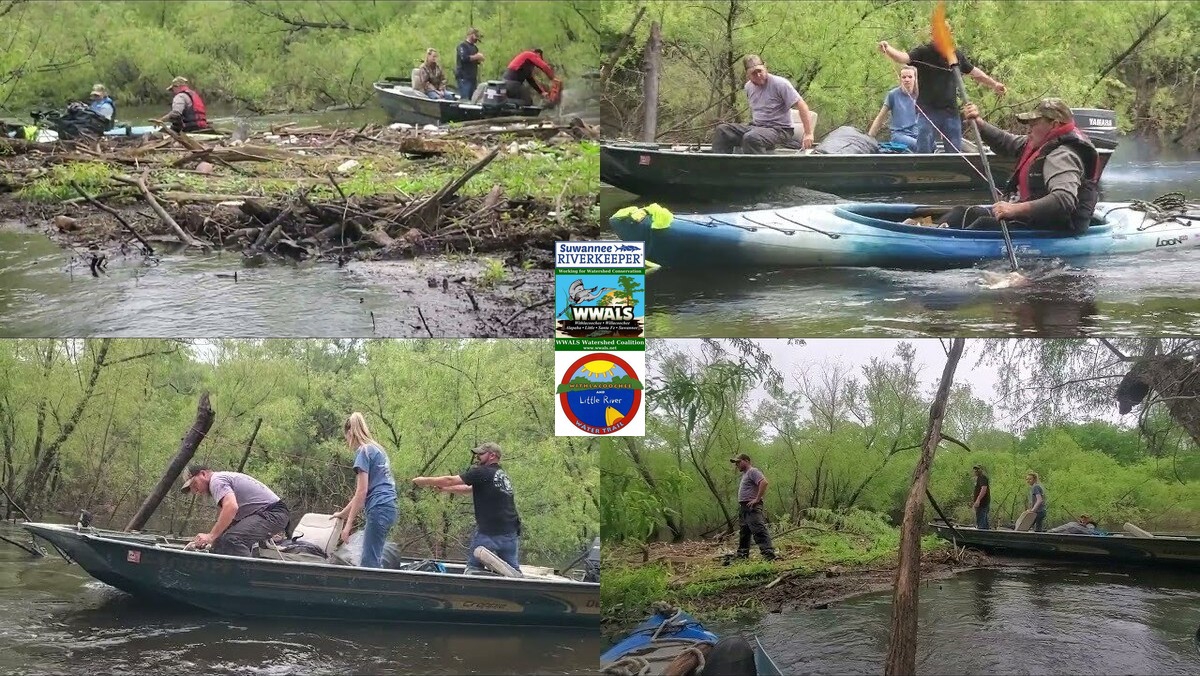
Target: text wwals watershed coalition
x,y
595,254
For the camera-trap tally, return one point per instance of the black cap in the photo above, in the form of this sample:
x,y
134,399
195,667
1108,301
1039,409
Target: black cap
x,y
739,457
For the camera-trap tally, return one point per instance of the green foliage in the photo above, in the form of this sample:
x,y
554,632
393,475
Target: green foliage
x,y
55,186
1037,49
256,52
426,402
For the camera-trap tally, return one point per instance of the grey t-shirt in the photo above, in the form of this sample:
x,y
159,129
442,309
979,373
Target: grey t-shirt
x,y
1034,491
770,104
250,493
748,488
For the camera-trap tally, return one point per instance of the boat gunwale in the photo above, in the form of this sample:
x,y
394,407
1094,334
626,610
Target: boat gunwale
x,y
85,536
944,528
698,150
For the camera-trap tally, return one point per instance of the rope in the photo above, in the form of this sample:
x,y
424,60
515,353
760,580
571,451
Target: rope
x,y
629,666
669,622
695,650
1168,207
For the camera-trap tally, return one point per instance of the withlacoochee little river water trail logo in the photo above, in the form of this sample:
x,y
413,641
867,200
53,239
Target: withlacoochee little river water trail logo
x,y
600,393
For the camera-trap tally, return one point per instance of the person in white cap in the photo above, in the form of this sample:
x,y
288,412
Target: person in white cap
x,y
249,511
102,104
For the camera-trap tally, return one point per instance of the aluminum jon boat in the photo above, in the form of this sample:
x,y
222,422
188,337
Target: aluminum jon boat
x,y
162,569
874,235
656,643
1134,546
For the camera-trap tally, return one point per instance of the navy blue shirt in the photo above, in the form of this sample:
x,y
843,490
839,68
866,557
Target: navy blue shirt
x,y
464,67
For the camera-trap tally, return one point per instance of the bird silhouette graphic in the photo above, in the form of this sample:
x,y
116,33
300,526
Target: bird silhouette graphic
x,y
578,294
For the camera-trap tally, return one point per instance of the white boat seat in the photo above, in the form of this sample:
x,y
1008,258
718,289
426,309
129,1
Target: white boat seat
x,y
495,563
322,530
1133,530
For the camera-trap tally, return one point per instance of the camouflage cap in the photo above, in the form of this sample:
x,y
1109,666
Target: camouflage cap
x,y
1051,109
751,61
178,81
487,447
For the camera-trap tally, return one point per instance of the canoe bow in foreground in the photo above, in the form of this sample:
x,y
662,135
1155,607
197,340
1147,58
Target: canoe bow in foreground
x,y
231,585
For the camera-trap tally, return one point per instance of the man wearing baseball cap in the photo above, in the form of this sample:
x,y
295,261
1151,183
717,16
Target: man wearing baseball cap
x,y
466,67
750,512
249,511
497,524
188,112
1055,185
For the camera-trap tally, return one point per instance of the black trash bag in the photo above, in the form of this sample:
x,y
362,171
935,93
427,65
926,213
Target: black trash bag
x,y
847,140
78,121
731,656
296,546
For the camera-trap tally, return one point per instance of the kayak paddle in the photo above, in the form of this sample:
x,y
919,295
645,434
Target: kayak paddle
x,y
944,42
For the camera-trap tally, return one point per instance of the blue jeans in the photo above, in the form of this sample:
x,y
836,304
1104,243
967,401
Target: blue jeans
x,y
948,121
379,518
504,546
905,140
981,517
466,89
438,95
1038,526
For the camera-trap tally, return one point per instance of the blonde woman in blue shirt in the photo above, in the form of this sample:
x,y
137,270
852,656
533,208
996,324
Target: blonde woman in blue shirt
x,y
374,491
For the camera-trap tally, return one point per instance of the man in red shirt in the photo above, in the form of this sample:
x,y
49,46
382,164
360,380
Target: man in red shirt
x,y
519,73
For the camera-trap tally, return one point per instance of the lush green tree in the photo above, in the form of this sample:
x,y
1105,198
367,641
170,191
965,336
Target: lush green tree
x,y
93,423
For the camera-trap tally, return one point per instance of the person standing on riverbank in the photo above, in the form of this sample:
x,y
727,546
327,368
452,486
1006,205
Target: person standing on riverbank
x,y
466,64
1037,501
982,498
750,510
374,491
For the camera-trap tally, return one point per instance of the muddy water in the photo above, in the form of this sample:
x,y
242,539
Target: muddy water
x,y
48,291
1036,620
1151,294
54,618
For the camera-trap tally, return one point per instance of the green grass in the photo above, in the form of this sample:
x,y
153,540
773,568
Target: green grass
x,y
55,186
493,273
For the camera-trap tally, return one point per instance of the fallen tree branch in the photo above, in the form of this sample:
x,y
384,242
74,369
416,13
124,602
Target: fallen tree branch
x,y
162,213
113,212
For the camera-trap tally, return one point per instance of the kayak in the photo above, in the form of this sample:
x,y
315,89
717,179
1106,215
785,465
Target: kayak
x,y
875,235
132,130
655,643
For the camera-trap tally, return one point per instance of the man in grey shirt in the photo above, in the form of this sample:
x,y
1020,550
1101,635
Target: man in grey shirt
x,y
750,512
1055,185
771,101
249,511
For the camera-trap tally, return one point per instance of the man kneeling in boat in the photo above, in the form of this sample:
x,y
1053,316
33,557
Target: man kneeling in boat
x,y
1056,183
188,112
250,512
771,99
497,524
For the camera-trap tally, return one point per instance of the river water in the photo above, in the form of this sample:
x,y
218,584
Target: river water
x,y
46,291
1034,620
54,618
1154,293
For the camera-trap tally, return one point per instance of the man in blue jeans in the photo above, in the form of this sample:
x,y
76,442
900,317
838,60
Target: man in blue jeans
x,y
497,524
982,500
937,93
466,64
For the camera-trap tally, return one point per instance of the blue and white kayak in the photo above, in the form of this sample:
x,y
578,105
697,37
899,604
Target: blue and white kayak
x,y
874,235
656,642
132,130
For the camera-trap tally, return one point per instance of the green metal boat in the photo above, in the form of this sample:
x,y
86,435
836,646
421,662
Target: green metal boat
x,y
161,568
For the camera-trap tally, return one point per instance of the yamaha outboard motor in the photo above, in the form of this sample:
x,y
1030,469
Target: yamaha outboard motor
x,y
1098,124
495,94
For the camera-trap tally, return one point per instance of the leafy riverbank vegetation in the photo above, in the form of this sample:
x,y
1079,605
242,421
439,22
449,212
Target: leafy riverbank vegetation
x,y
839,442
265,55
92,424
1135,57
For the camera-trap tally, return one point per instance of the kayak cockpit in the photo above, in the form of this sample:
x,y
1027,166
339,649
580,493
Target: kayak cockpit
x,y
922,219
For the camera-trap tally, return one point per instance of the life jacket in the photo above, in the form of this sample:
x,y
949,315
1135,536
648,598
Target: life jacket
x,y
95,107
1035,179
195,117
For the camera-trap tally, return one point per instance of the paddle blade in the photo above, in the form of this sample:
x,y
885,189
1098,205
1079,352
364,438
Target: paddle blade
x,y
943,41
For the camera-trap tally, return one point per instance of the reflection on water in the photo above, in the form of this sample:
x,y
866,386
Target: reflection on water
x,y
54,618
1027,621
1152,293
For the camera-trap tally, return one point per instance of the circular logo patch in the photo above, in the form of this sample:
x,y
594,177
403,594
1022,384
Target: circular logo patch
x,y
600,393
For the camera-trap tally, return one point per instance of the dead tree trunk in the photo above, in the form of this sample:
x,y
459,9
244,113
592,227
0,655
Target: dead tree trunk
x,y
902,641
187,448
606,71
249,445
653,62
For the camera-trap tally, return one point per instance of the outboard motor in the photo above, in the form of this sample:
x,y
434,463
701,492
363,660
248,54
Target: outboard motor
x,y
495,94
1098,124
